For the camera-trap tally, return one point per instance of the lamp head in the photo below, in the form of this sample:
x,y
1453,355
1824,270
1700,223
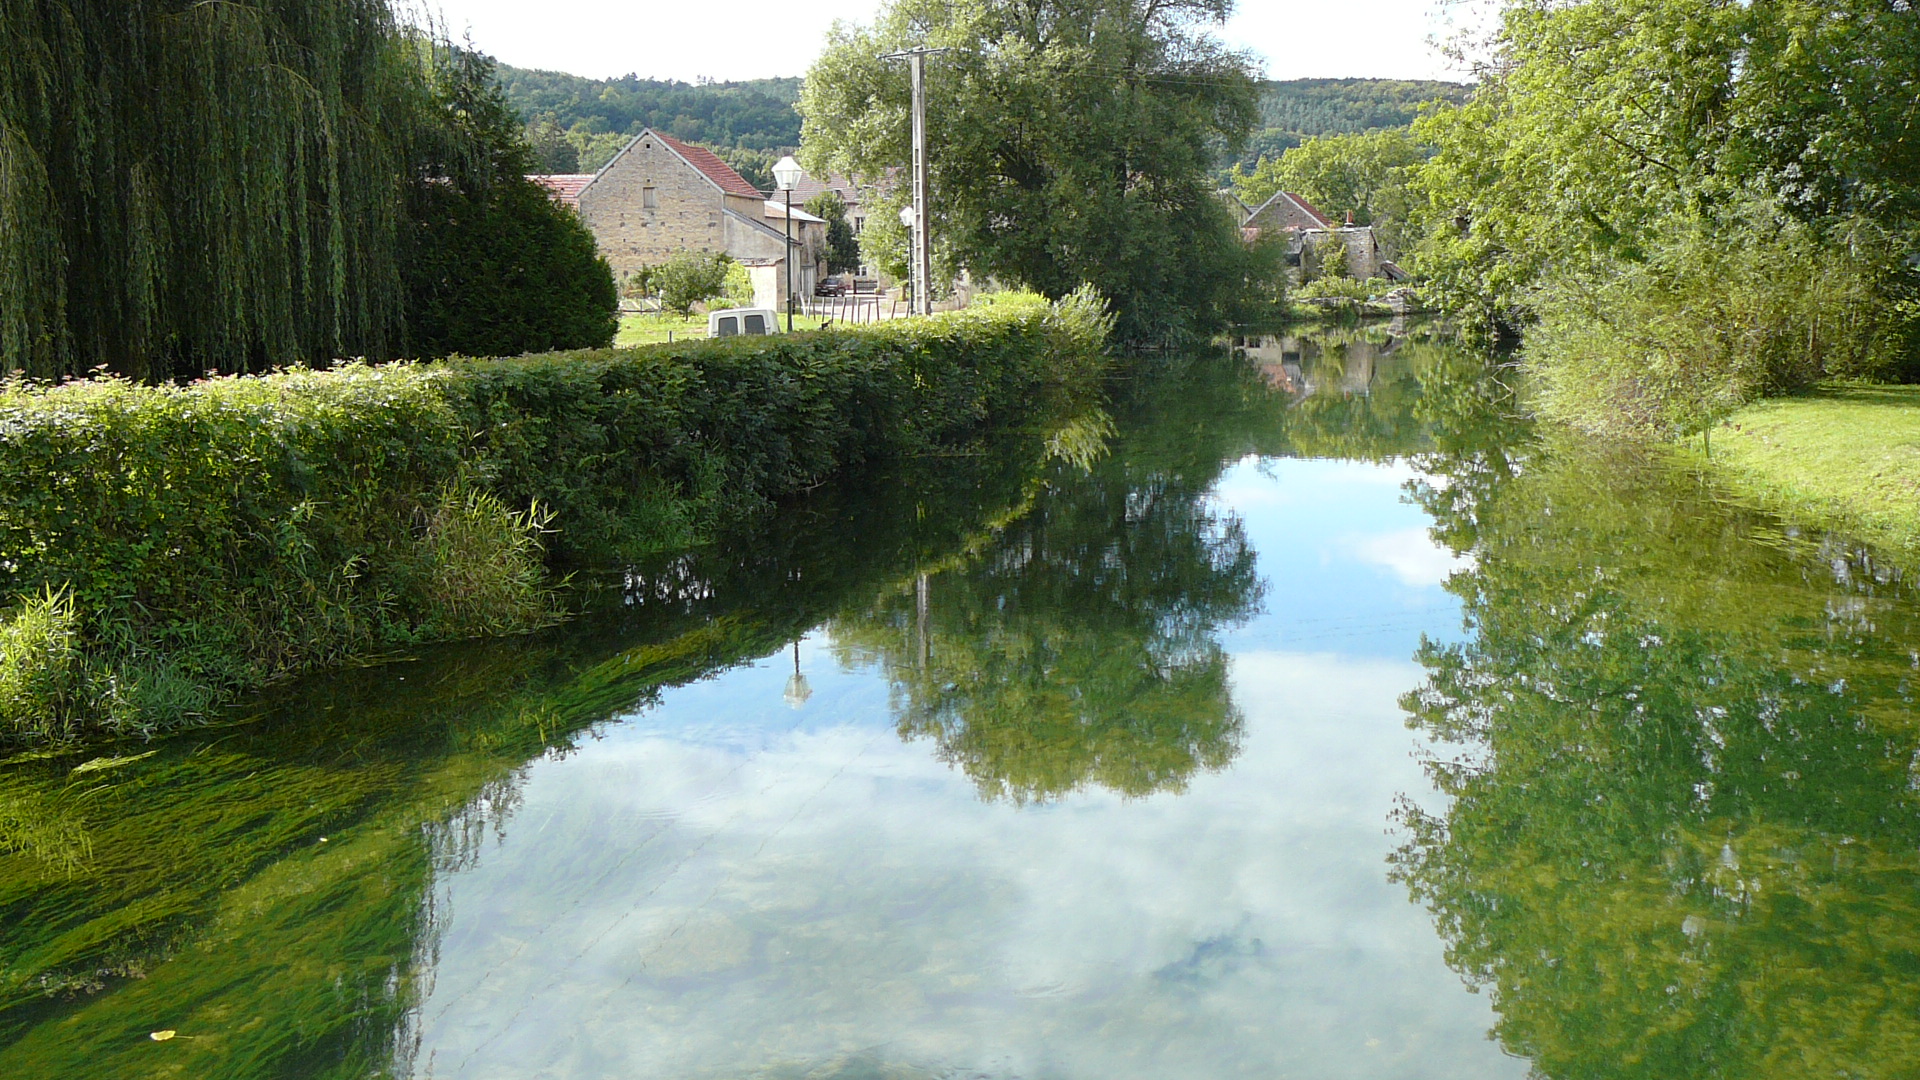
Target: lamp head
x,y
906,215
787,173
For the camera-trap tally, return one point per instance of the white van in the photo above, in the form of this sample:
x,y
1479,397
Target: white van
x,y
748,321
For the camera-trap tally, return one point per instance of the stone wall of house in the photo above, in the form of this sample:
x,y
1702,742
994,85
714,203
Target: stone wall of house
x,y
1363,251
1279,214
685,215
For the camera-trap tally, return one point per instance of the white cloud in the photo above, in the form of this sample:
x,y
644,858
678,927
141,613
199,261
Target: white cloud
x,y
1412,556
667,906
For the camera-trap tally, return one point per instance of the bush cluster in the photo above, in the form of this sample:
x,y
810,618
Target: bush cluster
x,y
165,548
1708,322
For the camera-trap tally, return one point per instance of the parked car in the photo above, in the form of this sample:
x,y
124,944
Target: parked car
x,y
739,321
833,286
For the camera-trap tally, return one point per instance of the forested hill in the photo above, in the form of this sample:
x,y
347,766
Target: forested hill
x,y
755,119
757,114
1296,109
747,121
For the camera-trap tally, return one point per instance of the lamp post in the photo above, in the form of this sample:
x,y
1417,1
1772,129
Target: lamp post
x,y
797,691
787,174
907,218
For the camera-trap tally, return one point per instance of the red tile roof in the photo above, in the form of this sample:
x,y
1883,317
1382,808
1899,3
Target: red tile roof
x,y
564,187
1325,221
712,167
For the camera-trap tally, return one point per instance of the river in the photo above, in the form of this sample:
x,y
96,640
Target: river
x,y
1299,713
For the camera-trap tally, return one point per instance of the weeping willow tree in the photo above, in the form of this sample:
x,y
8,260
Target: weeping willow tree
x,y
188,185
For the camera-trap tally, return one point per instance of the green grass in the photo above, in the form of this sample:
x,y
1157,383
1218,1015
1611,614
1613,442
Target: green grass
x,y
653,329
1847,455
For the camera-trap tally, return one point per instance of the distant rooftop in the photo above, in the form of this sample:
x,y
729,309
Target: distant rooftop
x,y
564,187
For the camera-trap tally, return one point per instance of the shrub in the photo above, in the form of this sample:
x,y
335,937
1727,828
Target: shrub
x,y
495,267
40,667
480,567
738,290
843,246
1712,320
201,540
1343,288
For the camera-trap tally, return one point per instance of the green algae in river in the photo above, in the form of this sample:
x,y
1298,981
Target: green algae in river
x,y
1091,780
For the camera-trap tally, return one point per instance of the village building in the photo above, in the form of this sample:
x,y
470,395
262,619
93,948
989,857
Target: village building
x,y
851,192
660,196
860,197
1307,231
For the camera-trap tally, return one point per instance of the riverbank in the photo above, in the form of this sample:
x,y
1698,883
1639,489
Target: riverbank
x,y
1845,456
164,549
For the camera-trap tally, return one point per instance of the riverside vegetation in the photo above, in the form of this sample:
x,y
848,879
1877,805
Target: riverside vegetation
x,y
167,547
187,187
1085,580
1682,205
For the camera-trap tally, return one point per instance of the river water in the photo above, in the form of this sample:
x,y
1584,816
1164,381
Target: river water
x,y
1298,714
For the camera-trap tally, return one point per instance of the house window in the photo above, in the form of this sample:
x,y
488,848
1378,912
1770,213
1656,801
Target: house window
x,y
647,199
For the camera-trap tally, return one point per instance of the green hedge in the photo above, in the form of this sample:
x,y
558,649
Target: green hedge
x,y
165,548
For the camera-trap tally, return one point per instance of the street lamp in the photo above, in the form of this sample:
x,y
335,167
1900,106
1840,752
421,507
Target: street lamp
x,y
797,689
787,174
907,218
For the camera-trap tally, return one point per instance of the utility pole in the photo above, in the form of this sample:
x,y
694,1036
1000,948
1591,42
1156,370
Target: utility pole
x,y
921,259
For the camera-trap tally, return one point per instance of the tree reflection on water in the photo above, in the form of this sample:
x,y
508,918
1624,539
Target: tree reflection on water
x,y
1683,831
1081,648
1076,582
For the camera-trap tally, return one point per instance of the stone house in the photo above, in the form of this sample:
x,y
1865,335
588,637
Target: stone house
x,y
850,191
1307,229
659,196
1286,212
860,195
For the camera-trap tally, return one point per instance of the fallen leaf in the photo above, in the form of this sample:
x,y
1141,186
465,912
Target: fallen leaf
x,y
163,1036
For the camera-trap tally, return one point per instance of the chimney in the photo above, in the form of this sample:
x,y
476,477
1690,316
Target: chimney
x,y
1349,219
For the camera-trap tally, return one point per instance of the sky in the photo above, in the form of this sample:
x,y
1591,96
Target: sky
x,y
1294,39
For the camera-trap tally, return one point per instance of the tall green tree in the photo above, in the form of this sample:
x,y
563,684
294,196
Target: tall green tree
x,y
495,267
1607,135
843,247
192,186
186,186
1073,142
553,152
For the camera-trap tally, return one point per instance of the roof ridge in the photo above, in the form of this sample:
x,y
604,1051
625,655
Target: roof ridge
x,y
710,165
1310,208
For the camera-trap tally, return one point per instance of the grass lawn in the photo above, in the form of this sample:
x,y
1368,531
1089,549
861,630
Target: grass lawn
x,y
1849,454
651,329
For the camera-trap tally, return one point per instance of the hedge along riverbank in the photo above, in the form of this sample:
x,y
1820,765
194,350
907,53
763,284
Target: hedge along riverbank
x,y
163,549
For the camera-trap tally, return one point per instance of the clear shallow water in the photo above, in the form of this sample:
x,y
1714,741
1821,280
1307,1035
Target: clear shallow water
x,y
724,883
1243,736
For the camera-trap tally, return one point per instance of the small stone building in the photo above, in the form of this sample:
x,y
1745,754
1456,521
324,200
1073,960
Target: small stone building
x,y
1307,229
659,196
1286,212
